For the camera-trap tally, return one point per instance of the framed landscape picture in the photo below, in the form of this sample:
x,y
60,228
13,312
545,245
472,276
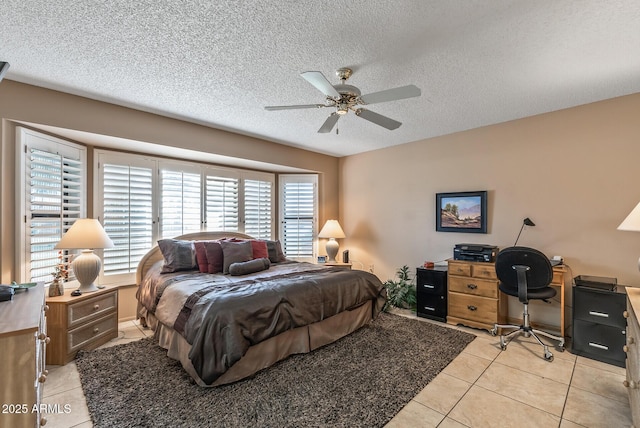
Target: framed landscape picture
x,y
461,212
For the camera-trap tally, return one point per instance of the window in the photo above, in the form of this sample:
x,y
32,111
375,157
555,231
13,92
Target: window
x,y
127,209
222,210
180,201
52,184
298,215
258,205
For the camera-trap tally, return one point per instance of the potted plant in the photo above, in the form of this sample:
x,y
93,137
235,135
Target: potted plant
x,y
401,293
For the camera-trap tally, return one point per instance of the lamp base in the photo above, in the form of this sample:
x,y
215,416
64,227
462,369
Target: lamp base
x,y
86,268
332,249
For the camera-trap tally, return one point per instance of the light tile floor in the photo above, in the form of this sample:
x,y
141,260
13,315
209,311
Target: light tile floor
x,y
482,387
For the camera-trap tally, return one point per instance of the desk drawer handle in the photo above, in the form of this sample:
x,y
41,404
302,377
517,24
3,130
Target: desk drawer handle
x,y
472,286
429,308
96,307
96,330
472,308
596,345
428,286
630,384
599,314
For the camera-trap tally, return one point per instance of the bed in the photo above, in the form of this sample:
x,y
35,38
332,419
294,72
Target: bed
x,y
224,327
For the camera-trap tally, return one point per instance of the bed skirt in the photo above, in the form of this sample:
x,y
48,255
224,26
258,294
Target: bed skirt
x,y
299,340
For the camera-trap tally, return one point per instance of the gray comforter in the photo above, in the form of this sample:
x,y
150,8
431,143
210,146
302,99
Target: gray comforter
x,y
222,316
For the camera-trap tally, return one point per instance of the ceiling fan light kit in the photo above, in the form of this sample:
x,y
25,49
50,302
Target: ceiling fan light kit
x,y
345,97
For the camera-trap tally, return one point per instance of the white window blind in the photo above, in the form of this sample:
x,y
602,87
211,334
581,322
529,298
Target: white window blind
x,y
180,202
127,214
258,207
222,202
298,215
53,180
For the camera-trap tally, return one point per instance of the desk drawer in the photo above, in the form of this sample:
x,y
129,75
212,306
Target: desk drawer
x,y
82,337
484,271
462,269
474,308
474,286
92,308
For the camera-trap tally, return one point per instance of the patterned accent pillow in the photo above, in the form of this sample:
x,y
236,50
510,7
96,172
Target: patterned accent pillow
x,y
201,257
260,250
275,252
178,255
214,256
235,252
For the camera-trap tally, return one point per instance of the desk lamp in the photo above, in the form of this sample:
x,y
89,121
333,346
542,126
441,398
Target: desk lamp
x,y
632,223
333,231
86,233
526,222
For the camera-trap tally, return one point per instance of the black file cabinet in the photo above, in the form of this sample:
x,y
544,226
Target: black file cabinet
x,y
599,327
431,288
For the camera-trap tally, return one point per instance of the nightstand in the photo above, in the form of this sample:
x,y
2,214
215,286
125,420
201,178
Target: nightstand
x,y
337,264
82,322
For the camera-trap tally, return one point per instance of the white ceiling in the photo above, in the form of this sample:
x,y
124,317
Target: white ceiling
x,y
218,63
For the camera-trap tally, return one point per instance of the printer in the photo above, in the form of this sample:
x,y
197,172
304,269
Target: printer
x,y
475,252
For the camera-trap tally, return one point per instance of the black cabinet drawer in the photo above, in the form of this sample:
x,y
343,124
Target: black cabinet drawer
x,y
599,307
431,281
431,306
599,341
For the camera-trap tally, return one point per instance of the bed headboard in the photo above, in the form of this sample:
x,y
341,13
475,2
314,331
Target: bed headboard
x,y
154,254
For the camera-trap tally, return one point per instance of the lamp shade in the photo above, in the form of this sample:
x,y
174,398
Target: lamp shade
x,y
632,222
84,234
331,229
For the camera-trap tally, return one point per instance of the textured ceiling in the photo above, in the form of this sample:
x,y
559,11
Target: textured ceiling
x,y
218,63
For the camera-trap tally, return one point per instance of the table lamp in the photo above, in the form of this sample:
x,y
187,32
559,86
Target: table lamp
x,y
632,223
333,231
86,234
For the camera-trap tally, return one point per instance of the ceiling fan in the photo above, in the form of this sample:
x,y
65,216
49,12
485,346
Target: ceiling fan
x,y
345,97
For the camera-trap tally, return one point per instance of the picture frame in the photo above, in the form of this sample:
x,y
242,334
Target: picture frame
x,y
322,259
464,212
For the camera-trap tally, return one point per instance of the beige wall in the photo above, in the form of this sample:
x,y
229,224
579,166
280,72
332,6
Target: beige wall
x,y
574,172
20,102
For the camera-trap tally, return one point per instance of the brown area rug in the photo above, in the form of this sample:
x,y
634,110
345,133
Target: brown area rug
x,y
362,380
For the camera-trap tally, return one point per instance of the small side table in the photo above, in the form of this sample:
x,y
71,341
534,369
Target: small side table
x,y
337,264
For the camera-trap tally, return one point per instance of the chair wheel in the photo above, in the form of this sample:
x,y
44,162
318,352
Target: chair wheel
x,y
493,331
561,348
548,356
503,346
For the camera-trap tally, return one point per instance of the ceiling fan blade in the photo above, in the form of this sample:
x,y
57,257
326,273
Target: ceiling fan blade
x,y
378,119
328,124
400,93
318,80
270,108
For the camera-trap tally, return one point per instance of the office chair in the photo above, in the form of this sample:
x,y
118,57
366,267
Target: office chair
x,y
525,273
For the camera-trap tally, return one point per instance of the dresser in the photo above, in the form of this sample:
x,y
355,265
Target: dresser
x,y
632,349
431,293
474,299
598,324
81,322
23,343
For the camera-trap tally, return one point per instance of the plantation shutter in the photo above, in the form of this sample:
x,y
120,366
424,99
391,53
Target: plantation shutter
x,y
54,188
298,212
221,203
180,203
127,213
258,207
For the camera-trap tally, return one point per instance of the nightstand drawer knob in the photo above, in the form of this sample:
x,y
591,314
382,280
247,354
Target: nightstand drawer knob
x,y
630,384
472,286
43,421
96,330
631,341
96,307
599,314
472,308
42,336
42,378
625,314
625,348
47,340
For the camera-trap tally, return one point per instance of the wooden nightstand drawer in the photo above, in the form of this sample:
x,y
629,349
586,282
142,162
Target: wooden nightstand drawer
x,y
474,286
92,308
91,334
462,269
484,271
473,308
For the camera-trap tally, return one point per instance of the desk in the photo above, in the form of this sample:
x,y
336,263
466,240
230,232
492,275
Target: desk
x,y
476,301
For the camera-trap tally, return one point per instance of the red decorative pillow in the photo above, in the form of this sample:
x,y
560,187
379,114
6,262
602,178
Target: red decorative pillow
x,y
259,248
201,257
213,250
